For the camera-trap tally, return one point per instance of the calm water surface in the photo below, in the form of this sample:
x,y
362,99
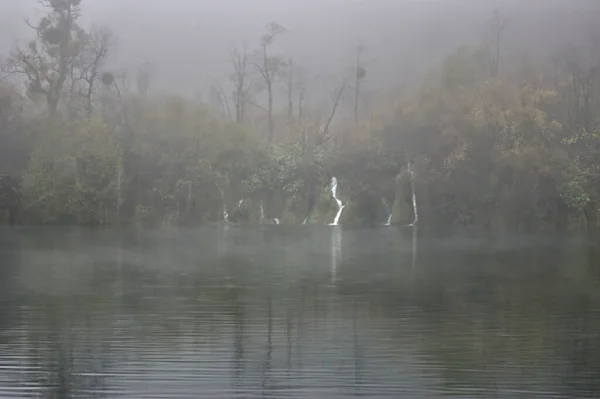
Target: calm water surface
x,y
297,312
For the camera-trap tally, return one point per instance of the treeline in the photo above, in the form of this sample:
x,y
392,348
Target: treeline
x,y
476,144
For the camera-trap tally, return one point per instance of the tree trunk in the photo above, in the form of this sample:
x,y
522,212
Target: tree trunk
x,y
270,111
291,92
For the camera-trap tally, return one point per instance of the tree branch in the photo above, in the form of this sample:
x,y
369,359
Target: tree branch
x,y
264,73
257,106
223,100
325,133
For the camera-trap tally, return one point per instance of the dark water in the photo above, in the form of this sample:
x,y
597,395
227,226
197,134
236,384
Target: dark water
x,y
297,312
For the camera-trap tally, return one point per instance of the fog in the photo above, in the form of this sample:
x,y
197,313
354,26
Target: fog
x,y
409,208
487,108
188,41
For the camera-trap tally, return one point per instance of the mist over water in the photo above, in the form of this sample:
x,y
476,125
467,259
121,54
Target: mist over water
x,y
297,311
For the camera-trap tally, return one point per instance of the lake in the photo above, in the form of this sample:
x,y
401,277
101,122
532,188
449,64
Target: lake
x,y
297,312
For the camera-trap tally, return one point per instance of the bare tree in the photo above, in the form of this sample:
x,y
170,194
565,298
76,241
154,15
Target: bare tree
x,y
582,65
224,101
360,73
290,90
143,78
240,78
218,99
300,88
336,103
86,67
323,134
268,67
497,27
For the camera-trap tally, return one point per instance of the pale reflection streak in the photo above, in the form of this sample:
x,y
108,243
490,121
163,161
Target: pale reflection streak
x,y
336,252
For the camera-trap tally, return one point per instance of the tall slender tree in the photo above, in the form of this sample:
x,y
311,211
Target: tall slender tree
x,y
268,66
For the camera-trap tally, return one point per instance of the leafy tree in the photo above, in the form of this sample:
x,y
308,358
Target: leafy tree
x,y
62,52
72,175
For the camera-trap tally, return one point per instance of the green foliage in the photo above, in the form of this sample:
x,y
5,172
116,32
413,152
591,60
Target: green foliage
x,y
574,193
72,175
514,152
491,151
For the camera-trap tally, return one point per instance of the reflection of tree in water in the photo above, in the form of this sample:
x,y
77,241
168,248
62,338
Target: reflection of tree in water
x,y
288,334
8,265
73,364
488,321
578,342
267,384
358,353
495,321
336,251
238,320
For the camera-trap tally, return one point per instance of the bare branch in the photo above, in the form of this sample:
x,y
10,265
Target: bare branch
x,y
7,75
324,136
335,106
239,60
257,106
263,72
32,26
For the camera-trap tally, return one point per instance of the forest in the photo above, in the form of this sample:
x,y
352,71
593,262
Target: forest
x,y
480,142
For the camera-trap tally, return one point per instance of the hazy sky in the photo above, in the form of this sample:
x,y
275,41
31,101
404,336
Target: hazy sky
x,y
188,40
